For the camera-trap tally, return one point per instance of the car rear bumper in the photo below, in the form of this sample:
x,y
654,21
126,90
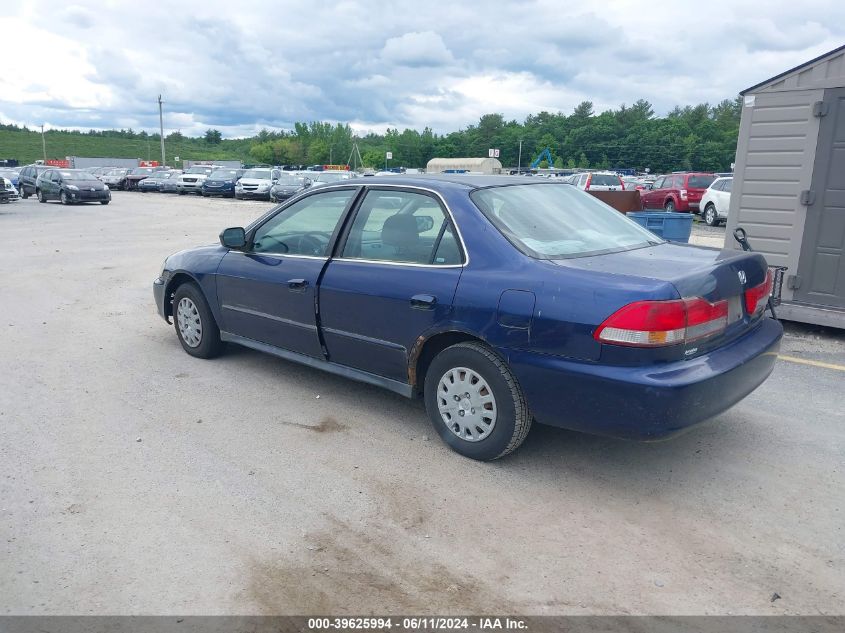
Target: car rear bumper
x,y
646,403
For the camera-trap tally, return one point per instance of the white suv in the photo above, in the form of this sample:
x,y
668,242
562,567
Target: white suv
x,y
255,183
191,181
716,201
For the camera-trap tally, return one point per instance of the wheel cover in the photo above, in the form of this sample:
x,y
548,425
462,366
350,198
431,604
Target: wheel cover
x,y
710,215
466,404
189,322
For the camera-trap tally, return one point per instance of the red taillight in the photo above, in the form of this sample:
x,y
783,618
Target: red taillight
x,y
757,297
622,184
661,323
589,179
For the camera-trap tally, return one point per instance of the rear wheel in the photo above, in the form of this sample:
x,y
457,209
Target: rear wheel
x,y
475,403
195,326
669,207
24,194
104,201
710,217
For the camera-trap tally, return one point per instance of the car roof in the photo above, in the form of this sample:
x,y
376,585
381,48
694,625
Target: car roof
x,y
467,181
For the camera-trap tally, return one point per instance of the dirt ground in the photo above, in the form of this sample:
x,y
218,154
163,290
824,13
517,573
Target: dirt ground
x,y
135,479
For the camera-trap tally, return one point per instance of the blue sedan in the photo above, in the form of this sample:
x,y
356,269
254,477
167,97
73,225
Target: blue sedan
x,y
498,300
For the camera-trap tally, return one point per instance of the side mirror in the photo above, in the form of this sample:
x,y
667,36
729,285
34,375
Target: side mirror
x,y
424,223
233,237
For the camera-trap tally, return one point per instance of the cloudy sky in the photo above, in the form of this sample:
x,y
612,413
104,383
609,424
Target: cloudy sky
x,y
239,66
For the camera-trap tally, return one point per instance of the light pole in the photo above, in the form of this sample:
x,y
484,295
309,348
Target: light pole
x,y
519,165
161,128
43,144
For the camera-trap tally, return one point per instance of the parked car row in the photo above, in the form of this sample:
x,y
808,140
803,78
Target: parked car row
x,y
257,183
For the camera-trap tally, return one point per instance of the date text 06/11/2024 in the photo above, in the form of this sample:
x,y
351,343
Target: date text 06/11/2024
x,y
417,623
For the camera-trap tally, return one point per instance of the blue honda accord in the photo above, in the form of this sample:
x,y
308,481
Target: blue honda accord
x,y
498,300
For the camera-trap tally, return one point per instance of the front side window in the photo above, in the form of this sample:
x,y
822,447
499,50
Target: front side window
x,y
305,227
402,227
552,221
658,184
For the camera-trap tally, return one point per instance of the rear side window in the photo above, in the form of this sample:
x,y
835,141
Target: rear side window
x,y
700,182
402,227
727,184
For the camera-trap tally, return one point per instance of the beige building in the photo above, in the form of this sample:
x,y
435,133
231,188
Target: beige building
x,y
474,165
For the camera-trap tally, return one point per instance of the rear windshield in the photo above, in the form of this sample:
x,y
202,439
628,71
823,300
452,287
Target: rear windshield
x,y
604,180
556,221
700,182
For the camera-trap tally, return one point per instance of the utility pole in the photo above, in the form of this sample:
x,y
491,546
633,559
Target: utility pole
x,y
43,144
519,166
331,150
161,128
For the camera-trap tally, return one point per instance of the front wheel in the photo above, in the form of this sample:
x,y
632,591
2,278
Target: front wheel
x,y
475,403
104,201
710,217
669,207
40,194
24,194
195,326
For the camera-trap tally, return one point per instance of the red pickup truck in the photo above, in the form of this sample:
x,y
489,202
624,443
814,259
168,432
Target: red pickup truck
x,y
677,192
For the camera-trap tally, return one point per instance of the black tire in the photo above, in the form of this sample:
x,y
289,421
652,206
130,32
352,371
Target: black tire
x,y
104,201
40,195
710,216
669,206
209,344
24,194
63,198
125,185
180,192
513,419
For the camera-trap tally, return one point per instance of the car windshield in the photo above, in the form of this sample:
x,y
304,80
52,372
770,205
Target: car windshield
x,y
117,172
700,182
259,174
224,174
556,221
331,177
76,175
287,178
199,170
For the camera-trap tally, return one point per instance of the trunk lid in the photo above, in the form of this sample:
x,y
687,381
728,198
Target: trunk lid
x,y
693,271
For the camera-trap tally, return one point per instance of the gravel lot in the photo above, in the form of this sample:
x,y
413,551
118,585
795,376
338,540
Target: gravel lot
x,y
135,479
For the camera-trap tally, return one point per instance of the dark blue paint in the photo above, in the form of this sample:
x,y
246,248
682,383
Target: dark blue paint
x,y
370,320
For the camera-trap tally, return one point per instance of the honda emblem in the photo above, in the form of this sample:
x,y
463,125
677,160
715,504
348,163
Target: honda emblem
x,y
742,277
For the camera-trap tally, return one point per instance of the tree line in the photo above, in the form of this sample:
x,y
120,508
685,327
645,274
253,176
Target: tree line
x,y
701,137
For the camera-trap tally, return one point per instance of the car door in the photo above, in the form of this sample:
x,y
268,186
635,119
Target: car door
x,y
724,196
267,292
394,279
650,195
